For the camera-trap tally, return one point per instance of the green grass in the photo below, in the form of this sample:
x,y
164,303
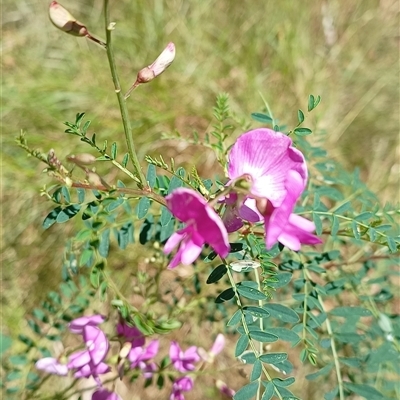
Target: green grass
x,y
246,48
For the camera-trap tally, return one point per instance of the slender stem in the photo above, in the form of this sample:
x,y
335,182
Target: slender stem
x,y
246,329
126,171
334,352
135,192
261,323
333,344
122,104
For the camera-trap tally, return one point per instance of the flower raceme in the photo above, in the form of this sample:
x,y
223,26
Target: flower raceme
x,y
203,225
276,173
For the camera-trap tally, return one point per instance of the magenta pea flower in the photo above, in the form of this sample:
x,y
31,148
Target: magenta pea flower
x,y
52,366
203,225
131,333
138,355
149,369
282,225
77,325
183,384
89,362
296,232
183,361
277,175
104,394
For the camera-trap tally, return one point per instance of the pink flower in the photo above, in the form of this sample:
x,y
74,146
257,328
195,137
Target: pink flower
x,y
281,225
183,384
216,348
89,362
203,226
183,360
52,366
149,369
296,232
138,355
131,333
77,325
104,394
277,175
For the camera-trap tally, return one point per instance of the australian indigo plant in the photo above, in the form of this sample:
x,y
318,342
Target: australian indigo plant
x,y
300,266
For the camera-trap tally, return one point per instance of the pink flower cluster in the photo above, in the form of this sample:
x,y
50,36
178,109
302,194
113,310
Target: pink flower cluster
x,y
184,361
89,362
274,174
139,356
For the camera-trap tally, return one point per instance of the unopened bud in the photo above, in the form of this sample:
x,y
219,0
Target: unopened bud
x,y
82,159
126,348
224,388
94,179
163,61
63,20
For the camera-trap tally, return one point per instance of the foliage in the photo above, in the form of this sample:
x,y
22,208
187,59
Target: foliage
x,y
326,307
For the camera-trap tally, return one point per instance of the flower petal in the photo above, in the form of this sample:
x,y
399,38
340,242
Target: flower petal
x,y
52,366
96,342
76,325
266,156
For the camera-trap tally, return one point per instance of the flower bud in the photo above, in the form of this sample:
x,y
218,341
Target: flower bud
x,y
126,348
163,61
224,388
63,20
82,159
94,179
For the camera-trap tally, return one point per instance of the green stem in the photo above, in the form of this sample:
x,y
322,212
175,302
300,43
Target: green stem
x,y
334,352
261,323
134,192
246,329
122,104
332,339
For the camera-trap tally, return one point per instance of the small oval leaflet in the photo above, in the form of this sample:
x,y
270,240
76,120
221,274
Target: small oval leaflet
x,y
258,312
225,295
217,274
250,293
282,312
263,336
142,207
241,345
273,358
246,392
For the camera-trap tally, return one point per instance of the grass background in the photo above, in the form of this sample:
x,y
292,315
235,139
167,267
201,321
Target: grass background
x,y
346,52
